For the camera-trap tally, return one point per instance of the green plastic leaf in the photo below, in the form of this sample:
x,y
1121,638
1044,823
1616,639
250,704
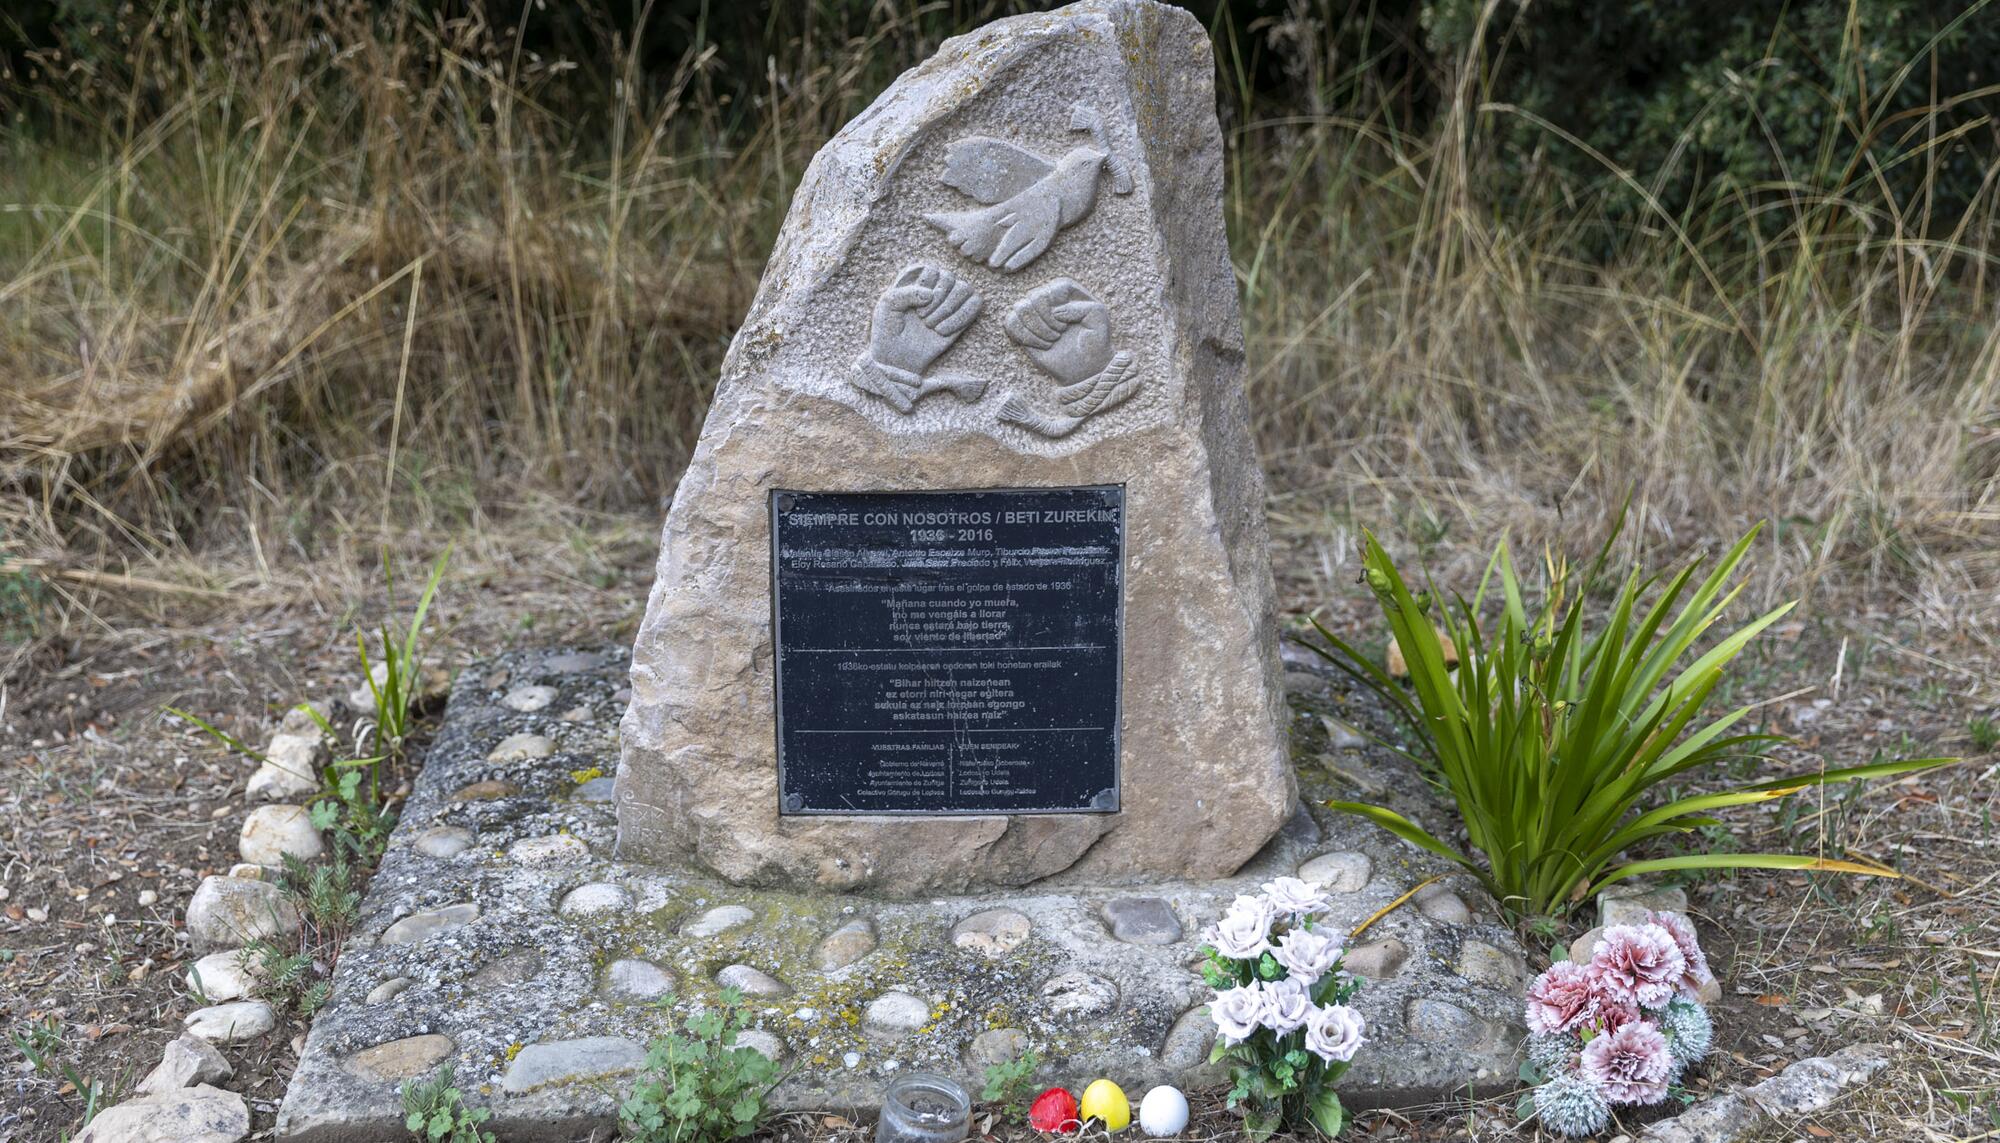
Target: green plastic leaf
x,y
1327,1113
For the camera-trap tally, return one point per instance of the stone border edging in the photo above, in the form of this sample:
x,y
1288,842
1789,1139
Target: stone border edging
x,y
1806,1086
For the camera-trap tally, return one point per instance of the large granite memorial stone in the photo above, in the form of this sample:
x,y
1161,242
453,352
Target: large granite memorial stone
x,y
967,583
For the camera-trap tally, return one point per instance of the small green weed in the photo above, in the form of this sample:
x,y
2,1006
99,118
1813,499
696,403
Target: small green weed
x,y
1007,1083
700,1087
289,980
1985,734
435,1111
398,654
41,1042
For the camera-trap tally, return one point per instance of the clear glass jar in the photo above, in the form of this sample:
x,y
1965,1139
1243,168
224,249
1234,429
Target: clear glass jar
x,y
924,1108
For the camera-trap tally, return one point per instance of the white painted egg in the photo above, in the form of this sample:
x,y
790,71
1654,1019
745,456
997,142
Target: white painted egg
x,y
1163,1112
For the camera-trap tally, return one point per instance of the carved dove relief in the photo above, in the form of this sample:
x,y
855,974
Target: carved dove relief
x,y
1028,197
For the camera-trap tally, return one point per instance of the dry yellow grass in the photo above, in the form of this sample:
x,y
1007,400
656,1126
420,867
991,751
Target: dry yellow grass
x,y
337,281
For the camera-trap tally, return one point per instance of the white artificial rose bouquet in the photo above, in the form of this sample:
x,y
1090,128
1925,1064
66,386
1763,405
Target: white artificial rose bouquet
x,y
1280,1009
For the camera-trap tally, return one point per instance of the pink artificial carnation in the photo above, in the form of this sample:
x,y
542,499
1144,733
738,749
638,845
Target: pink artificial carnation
x,y
1562,999
1613,1015
1631,1065
1638,964
1682,930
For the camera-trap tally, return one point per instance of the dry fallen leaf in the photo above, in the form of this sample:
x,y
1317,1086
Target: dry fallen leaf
x,y
1773,1000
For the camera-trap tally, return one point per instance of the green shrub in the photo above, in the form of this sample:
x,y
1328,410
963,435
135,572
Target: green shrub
x,y
1736,104
1551,736
435,1112
700,1087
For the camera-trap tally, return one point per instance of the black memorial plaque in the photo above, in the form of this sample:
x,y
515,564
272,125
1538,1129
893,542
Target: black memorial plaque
x,y
949,652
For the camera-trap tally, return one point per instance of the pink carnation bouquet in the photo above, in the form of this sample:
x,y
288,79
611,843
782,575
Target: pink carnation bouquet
x,y
1280,1009
1619,1031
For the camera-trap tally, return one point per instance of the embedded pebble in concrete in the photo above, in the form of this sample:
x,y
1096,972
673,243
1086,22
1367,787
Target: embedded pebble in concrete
x,y
1341,735
272,833
233,1022
514,968
992,932
486,791
1343,872
1377,960
751,982
399,1060
528,700
1077,993
1188,1042
996,1046
596,899
1142,920
598,790
1442,1022
1441,904
576,714
719,920
1486,964
387,990
555,849
443,841
428,923
845,945
566,1061
893,1015
763,1043
572,662
229,975
632,979
521,748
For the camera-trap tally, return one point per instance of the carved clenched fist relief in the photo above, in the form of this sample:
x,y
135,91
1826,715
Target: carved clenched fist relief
x,y
917,318
1067,332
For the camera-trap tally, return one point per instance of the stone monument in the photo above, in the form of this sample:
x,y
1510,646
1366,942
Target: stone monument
x,y
967,584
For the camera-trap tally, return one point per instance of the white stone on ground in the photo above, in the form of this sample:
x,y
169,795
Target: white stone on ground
x,y
229,912
428,923
633,979
233,1022
521,748
719,920
271,833
228,975
893,1015
751,982
555,849
596,899
1344,872
201,1114
187,1061
443,841
1628,904
530,699
562,1061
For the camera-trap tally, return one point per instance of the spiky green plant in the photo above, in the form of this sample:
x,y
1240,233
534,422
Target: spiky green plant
x,y
1553,735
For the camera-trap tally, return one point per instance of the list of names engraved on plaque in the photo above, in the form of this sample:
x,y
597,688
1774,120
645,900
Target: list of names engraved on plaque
x,y
949,652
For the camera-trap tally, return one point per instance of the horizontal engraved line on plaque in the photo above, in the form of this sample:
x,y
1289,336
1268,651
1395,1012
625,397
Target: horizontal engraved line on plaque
x,y
948,652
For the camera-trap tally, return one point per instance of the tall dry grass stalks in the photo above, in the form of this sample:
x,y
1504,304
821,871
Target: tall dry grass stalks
x,y
327,274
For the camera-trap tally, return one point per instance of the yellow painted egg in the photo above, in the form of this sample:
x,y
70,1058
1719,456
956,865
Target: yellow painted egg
x,y
1105,1102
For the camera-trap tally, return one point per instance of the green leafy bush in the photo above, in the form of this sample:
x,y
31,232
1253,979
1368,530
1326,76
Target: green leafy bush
x,y
1007,1083
700,1087
435,1111
1553,732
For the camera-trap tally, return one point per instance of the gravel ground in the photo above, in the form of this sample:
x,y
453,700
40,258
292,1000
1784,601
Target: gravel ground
x,y
111,813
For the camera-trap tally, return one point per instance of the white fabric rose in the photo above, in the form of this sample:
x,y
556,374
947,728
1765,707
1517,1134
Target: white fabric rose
x,y
1293,897
1334,1033
1308,954
1237,1012
1243,933
1286,1006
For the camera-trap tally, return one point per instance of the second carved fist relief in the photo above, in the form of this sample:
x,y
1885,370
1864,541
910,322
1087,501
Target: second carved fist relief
x,y
1060,327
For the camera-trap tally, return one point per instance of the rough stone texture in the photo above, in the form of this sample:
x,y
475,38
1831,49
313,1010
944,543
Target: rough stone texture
x,y
187,1061
555,849
845,945
894,1015
443,841
1498,967
387,990
230,912
632,979
1154,1033
421,926
1782,1100
522,748
597,899
292,761
201,1114
1205,776
1377,960
271,832
999,1046
228,975
1077,993
1441,904
233,1022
